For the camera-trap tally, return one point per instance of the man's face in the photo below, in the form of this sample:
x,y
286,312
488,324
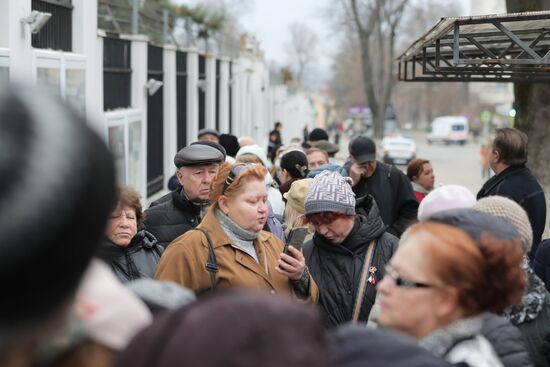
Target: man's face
x,y
209,137
316,159
196,181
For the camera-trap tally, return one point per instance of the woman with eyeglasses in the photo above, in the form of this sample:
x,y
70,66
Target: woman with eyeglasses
x,y
229,248
440,282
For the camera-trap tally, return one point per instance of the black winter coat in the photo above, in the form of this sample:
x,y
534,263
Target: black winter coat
x,y
394,195
536,334
541,264
337,268
519,184
506,340
138,260
171,216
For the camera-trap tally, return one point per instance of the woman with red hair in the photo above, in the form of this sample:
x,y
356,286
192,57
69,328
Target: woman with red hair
x,y
229,247
440,282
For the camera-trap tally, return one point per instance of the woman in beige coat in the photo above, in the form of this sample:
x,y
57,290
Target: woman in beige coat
x,y
240,254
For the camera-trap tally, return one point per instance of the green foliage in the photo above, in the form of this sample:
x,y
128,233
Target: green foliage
x,y
207,21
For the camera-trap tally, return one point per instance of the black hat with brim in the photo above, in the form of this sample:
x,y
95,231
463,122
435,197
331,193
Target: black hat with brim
x,y
362,149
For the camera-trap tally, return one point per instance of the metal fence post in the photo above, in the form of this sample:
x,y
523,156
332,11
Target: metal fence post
x,y
135,17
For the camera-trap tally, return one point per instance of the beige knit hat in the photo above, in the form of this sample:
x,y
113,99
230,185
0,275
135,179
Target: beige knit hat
x,y
296,196
510,211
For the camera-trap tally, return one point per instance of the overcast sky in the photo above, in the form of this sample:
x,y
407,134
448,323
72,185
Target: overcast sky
x,y
268,21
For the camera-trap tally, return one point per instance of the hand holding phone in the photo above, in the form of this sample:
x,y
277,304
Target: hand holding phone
x,y
295,238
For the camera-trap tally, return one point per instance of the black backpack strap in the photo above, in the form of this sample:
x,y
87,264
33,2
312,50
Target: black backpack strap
x,y
211,262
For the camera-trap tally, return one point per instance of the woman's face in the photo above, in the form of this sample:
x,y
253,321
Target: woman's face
x,y
413,310
122,225
336,230
426,178
249,208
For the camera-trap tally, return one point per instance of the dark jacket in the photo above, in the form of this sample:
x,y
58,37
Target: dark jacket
x,y
138,260
506,340
171,216
536,334
275,142
394,195
519,184
541,264
359,346
337,268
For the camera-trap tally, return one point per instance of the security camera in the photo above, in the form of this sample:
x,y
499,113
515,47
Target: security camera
x,y
36,20
153,86
202,84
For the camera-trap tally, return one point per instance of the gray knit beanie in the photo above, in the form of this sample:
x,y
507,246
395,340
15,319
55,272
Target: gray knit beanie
x,y
512,212
330,192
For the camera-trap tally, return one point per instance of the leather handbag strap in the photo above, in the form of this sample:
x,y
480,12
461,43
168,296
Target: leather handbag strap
x,y
211,262
362,283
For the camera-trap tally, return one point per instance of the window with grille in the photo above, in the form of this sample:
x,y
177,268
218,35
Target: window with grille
x,y
57,34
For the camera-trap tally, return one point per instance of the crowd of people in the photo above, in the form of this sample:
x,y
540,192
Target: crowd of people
x,y
391,272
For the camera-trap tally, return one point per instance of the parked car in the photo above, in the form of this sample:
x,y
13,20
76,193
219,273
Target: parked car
x,y
398,150
449,129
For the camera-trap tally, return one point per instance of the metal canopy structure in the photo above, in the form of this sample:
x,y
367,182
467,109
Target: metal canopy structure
x,y
493,48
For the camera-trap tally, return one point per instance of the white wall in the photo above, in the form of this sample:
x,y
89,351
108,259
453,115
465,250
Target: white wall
x,y
192,95
170,111
5,20
21,58
292,108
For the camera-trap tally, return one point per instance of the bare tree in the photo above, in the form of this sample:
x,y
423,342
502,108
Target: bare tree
x,y
302,49
375,23
532,102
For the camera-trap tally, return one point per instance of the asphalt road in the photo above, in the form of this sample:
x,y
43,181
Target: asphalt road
x,y
453,164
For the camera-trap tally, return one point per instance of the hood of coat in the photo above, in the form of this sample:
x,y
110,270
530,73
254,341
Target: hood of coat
x,y
366,229
441,341
142,239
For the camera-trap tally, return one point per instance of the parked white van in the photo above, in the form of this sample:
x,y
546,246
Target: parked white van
x,y
449,129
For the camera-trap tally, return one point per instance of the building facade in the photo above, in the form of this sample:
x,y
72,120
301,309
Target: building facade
x,y
148,99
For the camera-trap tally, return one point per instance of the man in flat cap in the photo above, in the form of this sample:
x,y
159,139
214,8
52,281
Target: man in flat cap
x,y
180,210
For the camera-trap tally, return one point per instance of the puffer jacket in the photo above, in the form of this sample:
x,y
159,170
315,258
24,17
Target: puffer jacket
x,y
537,335
506,340
138,260
171,216
337,268
541,264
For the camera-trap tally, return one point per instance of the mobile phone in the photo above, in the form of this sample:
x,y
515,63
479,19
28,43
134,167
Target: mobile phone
x,y
296,238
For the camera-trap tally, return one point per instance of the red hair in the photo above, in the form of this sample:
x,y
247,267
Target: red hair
x,y
325,217
255,172
487,273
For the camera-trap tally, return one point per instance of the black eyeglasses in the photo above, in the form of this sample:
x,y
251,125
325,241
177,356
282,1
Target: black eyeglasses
x,y
400,282
235,171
